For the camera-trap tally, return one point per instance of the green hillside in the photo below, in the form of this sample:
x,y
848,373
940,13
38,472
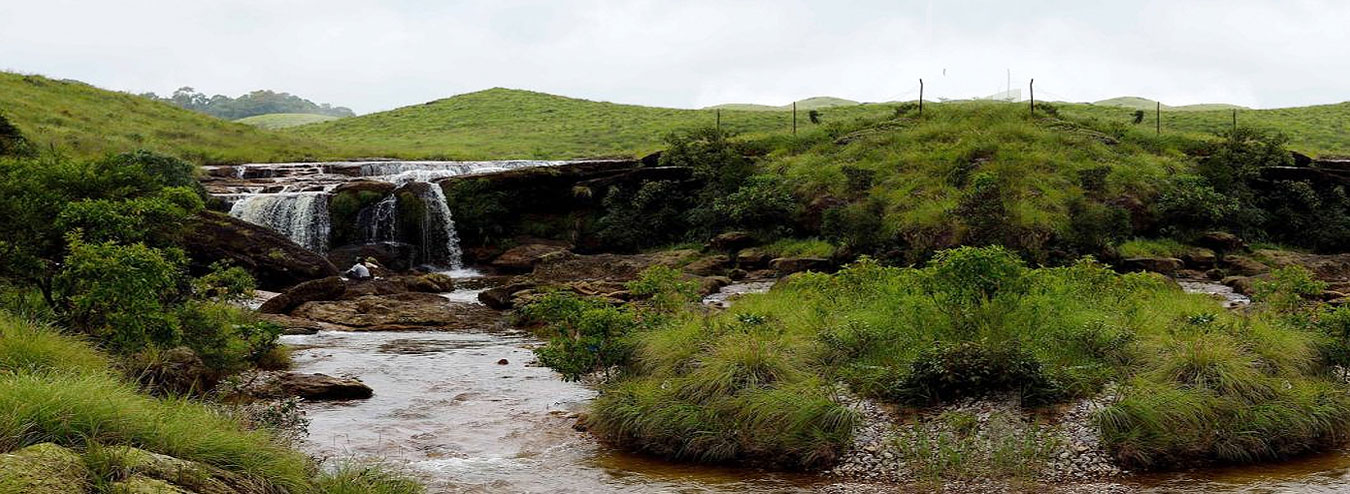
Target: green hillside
x,y
816,103
1137,103
83,120
1315,130
507,123
273,121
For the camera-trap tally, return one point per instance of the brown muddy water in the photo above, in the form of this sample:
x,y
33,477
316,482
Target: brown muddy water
x,y
449,412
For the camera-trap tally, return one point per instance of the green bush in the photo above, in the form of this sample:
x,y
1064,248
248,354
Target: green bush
x,y
584,336
968,369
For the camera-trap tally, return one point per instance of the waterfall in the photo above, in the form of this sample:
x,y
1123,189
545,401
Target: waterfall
x,y
300,216
440,242
379,222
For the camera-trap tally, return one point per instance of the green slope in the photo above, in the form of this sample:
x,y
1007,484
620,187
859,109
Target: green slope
x,y
1315,130
508,123
816,103
273,121
1137,103
84,120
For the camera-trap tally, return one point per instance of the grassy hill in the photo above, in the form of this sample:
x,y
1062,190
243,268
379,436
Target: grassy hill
x,y
1314,130
507,123
816,103
83,120
1137,103
273,121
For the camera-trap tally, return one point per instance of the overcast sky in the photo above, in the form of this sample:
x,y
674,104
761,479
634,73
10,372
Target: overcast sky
x,y
374,56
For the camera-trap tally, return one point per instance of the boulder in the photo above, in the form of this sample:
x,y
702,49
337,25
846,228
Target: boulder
x,y
788,265
1161,265
376,186
330,288
500,298
751,259
1198,259
709,266
1221,242
274,261
140,484
43,469
737,274
422,283
1245,285
322,387
294,325
1243,266
521,259
1325,267
709,285
732,241
400,312
395,256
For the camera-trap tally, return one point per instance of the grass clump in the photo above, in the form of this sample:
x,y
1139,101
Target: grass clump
x,y
1195,383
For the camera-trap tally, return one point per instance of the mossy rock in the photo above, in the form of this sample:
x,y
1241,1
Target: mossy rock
x,y
137,484
42,469
181,475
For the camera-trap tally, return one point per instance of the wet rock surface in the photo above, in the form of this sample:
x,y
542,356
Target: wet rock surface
x,y
329,288
398,312
275,261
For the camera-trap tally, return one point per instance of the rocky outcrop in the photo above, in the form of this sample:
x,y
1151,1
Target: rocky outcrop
x,y
274,261
732,241
1161,265
1221,242
709,266
329,288
395,256
423,283
322,387
399,312
567,266
752,258
788,265
43,469
503,297
1243,266
521,259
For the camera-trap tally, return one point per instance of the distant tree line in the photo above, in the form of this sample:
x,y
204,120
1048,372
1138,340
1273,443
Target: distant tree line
x,y
259,102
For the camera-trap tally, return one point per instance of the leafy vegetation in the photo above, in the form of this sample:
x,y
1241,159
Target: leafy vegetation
x,y
93,246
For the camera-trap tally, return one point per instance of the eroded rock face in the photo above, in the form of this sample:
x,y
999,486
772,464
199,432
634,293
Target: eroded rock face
x,y
43,469
1243,266
396,256
399,312
423,283
709,266
732,241
329,288
276,262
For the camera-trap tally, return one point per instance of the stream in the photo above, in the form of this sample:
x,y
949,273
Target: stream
x,y
448,410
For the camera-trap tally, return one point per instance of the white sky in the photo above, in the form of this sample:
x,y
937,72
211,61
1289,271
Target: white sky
x,y
374,56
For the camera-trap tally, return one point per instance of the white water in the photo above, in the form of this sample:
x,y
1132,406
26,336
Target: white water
x,y
301,216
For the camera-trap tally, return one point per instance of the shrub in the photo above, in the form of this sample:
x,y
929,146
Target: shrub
x,y
762,205
584,336
122,294
968,369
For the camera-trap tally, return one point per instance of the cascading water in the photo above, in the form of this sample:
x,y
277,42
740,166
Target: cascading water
x,y
440,241
301,216
379,222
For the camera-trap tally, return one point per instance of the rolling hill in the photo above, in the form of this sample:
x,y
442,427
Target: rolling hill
x,y
1137,103
508,123
1314,130
816,103
273,121
80,119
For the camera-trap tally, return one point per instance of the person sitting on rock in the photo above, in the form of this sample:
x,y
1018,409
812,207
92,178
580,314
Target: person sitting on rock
x,y
358,271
